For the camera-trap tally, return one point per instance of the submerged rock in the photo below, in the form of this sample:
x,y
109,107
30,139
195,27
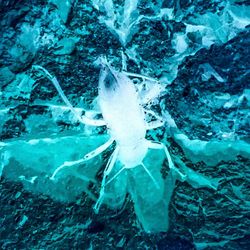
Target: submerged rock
x,y
6,76
64,8
65,46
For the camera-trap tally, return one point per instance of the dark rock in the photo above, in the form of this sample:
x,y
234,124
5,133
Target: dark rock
x,y
175,243
6,76
95,227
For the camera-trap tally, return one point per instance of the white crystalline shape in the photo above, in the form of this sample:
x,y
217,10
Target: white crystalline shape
x,y
179,43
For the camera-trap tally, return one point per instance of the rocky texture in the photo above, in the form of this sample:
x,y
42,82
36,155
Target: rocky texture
x,y
6,76
199,50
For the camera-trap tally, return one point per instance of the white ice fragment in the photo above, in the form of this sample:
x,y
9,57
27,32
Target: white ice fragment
x,y
179,43
30,180
167,12
4,160
22,221
33,141
210,71
193,28
48,140
240,15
